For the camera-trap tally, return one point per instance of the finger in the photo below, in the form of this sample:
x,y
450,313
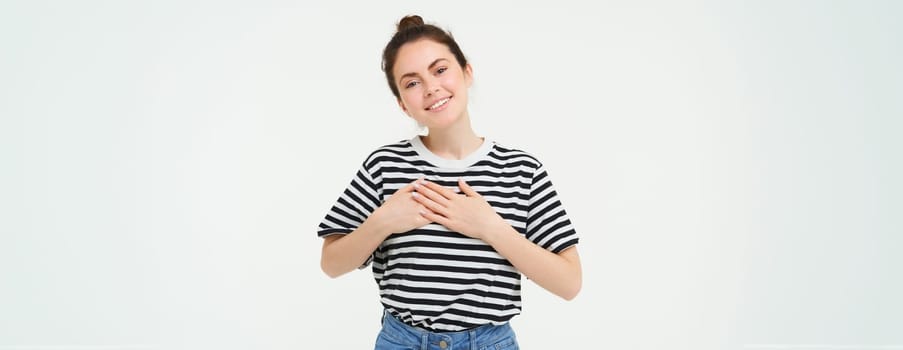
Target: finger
x,y
422,220
469,191
433,217
444,192
429,203
410,186
433,195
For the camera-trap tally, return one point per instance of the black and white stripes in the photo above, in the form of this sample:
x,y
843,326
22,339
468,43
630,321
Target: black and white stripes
x,y
440,280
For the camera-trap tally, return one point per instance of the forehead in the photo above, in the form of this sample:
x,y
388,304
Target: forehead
x,y
417,55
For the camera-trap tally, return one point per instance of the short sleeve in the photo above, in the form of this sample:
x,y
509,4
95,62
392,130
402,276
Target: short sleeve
x,y
354,206
548,224
357,202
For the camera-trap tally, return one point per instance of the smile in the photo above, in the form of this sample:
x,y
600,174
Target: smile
x,y
439,104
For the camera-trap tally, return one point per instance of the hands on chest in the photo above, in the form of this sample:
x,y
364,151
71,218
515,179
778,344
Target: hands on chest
x,y
422,202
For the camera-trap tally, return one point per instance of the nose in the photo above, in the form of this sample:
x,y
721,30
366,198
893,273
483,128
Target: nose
x,y
432,87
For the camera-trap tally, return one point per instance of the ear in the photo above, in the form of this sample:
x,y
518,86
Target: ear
x,y
468,74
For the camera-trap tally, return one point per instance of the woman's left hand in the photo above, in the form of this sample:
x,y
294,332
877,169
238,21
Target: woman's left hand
x,y
467,213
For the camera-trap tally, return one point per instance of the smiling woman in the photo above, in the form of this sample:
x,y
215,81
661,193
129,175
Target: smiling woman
x,y
426,90
449,220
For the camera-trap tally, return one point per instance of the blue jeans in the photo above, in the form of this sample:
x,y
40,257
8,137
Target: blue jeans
x,y
396,335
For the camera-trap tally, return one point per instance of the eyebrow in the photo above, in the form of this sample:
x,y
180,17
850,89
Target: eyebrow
x,y
429,67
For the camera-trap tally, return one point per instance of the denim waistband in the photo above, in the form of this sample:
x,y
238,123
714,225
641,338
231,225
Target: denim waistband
x,y
488,336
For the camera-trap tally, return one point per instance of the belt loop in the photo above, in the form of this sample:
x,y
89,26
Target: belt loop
x,y
425,340
473,339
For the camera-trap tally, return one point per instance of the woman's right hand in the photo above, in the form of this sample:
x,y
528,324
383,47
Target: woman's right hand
x,y
401,213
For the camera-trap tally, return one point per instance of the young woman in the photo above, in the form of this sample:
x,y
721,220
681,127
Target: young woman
x,y
449,220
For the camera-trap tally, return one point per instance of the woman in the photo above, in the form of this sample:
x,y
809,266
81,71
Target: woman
x,y
449,220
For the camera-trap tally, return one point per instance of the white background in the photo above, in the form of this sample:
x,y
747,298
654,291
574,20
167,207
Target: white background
x,y
733,168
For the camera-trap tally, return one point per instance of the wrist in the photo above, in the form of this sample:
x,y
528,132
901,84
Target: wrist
x,y
376,225
498,233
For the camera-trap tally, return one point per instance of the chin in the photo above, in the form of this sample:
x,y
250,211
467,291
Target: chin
x,y
442,120
440,124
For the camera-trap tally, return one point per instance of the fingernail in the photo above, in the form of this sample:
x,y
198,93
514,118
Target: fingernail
x,y
414,194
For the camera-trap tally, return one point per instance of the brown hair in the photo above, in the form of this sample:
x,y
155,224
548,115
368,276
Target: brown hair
x,y
411,28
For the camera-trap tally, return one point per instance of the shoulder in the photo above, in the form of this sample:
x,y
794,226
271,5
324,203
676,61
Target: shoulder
x,y
399,151
514,155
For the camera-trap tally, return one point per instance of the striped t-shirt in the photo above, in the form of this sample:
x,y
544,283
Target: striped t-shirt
x,y
441,280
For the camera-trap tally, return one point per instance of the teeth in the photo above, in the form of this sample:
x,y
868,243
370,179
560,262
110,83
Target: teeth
x,y
439,103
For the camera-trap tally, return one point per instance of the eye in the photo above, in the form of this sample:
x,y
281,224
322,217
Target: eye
x,y
441,70
411,84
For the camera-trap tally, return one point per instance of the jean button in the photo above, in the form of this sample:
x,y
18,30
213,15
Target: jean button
x,y
443,344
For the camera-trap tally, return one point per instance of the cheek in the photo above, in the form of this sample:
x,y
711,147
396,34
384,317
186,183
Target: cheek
x,y
405,101
453,81
411,96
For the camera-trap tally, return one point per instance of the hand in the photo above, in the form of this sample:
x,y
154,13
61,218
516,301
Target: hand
x,y
401,213
467,213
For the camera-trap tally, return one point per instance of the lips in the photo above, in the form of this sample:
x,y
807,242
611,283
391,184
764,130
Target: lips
x,y
438,104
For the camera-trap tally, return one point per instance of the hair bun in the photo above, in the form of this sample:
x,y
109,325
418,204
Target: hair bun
x,y
409,21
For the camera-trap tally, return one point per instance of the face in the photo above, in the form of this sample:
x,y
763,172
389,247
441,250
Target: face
x,y
431,84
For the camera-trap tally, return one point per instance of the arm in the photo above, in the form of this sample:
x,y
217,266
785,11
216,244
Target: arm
x,y
559,273
471,215
343,253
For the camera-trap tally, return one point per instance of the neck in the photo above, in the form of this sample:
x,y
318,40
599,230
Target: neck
x,y
454,142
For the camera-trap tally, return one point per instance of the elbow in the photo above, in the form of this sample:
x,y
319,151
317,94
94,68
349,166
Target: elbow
x,y
328,263
570,294
573,282
330,273
328,269
571,291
